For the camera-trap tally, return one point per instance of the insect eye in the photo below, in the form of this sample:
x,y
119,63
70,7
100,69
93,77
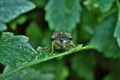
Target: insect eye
x,y
70,38
63,36
60,37
52,39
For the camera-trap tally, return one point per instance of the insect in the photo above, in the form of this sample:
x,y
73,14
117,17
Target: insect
x,y
61,40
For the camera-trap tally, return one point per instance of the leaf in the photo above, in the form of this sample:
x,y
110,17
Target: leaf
x,y
104,40
40,3
31,74
45,41
117,29
60,71
63,14
105,5
39,37
91,5
16,53
18,21
114,73
15,49
35,38
43,71
13,8
83,64
2,27
86,28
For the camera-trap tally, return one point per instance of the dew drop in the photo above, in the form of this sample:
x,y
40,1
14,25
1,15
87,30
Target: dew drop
x,y
36,58
9,43
20,47
14,45
20,44
46,55
5,40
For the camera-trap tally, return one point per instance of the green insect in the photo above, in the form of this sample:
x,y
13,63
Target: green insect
x,y
61,40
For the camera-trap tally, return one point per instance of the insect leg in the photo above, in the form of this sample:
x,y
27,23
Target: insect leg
x,y
52,48
72,44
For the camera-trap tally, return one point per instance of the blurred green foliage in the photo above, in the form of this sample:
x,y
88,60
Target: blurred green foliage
x,y
26,27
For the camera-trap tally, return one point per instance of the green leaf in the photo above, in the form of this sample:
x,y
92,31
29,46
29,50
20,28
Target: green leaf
x,y
43,71
2,27
31,74
55,67
34,33
45,40
114,73
86,28
13,8
18,21
39,37
91,5
63,14
103,38
105,5
40,3
117,29
15,51
17,54
84,64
